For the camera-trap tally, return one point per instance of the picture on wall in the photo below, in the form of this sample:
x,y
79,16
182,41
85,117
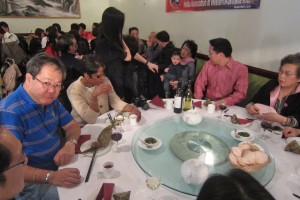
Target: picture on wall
x,y
40,8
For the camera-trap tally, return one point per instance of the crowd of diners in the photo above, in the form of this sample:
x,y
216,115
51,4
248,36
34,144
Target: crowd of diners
x,y
73,78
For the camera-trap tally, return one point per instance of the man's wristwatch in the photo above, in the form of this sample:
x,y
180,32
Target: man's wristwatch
x,y
74,141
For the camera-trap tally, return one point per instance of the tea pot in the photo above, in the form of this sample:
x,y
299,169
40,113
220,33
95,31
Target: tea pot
x,y
195,171
192,117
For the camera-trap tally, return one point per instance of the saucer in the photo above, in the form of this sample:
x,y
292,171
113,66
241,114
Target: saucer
x,y
156,146
242,139
228,120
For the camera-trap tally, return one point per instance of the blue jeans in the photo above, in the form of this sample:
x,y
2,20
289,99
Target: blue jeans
x,y
168,77
33,191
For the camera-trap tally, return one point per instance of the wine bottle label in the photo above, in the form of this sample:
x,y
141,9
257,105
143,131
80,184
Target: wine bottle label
x,y
177,102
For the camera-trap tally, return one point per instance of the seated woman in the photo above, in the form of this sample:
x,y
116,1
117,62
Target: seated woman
x,y
92,94
188,53
282,94
291,132
237,185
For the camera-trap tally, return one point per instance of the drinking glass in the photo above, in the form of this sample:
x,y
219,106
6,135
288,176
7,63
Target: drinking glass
x,y
222,107
152,183
116,136
119,119
266,125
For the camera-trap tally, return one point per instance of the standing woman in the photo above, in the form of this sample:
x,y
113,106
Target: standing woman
x,y
111,48
188,53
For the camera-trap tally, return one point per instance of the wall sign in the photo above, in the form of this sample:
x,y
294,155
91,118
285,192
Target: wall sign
x,y
199,5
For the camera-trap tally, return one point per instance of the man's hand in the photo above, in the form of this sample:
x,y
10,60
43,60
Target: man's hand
x,y
217,103
65,154
67,177
137,112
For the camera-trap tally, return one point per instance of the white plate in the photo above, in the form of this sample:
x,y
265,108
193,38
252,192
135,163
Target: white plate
x,y
156,146
264,108
228,119
100,152
258,146
242,139
290,139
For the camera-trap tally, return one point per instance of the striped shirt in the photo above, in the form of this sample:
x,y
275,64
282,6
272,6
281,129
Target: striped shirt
x,y
35,126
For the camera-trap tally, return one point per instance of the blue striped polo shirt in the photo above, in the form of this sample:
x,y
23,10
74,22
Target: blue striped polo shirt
x,y
35,126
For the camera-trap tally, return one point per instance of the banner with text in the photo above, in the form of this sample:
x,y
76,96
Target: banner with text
x,y
198,5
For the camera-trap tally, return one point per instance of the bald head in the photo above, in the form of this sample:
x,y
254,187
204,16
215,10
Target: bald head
x,y
11,171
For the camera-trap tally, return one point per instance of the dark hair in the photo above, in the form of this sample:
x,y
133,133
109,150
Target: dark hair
x,y
38,32
112,26
176,53
82,25
58,27
96,30
64,42
37,62
132,43
163,36
2,31
74,27
221,45
4,24
192,46
133,29
95,24
92,63
5,160
237,185
292,59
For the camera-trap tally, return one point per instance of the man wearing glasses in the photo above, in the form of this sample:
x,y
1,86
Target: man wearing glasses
x,y
33,113
12,162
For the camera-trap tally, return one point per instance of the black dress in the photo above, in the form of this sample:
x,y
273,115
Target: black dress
x,y
113,58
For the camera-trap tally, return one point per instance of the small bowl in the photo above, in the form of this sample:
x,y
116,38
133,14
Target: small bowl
x,y
192,117
243,134
151,141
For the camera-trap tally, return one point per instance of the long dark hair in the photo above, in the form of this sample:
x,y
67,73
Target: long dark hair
x,y
112,26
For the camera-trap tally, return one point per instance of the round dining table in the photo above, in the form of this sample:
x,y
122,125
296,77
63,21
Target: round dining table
x,y
133,162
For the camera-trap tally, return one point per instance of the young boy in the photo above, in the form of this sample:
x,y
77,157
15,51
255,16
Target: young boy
x,y
173,72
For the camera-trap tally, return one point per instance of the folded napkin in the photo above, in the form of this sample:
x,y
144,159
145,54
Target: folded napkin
x,y
81,140
157,101
105,191
244,121
198,104
122,196
293,146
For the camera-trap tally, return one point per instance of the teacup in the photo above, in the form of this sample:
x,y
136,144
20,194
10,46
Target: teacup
x,y
107,169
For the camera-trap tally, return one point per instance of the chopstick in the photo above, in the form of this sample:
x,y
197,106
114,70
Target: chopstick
x,y
110,118
90,167
295,195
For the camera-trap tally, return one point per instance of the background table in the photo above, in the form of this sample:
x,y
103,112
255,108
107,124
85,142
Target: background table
x,y
130,177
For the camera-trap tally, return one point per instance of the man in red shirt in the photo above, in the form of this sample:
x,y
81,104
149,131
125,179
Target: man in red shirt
x,y
222,79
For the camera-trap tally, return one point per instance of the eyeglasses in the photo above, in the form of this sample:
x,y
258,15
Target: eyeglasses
x,y
286,74
47,85
23,162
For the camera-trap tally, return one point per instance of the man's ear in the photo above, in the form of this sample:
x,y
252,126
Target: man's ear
x,y
28,77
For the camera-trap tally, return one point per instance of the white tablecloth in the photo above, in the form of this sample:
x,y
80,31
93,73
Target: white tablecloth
x,y
129,177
